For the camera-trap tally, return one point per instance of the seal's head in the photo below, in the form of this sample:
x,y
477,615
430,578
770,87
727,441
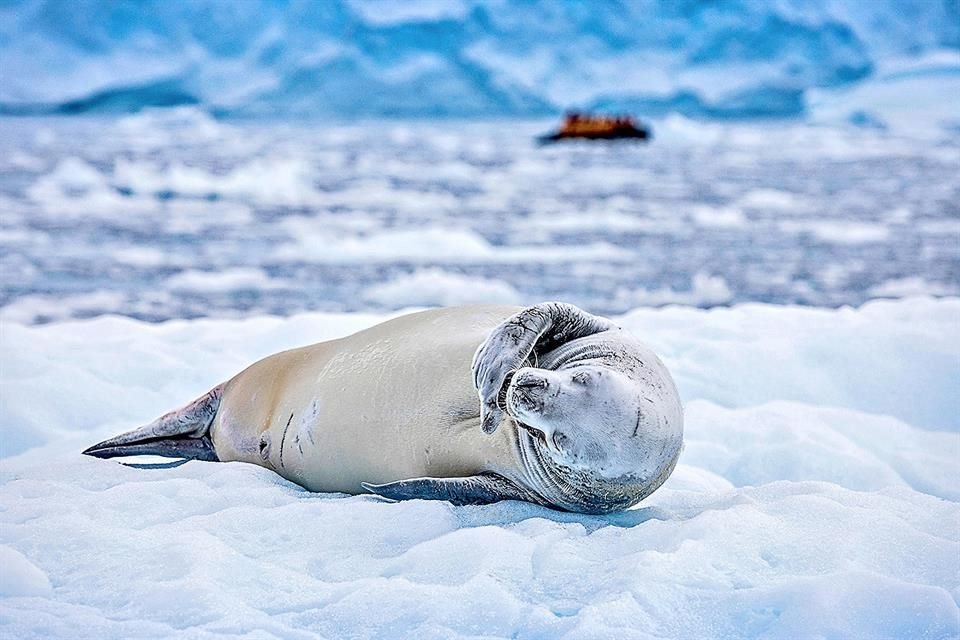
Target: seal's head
x,y
597,420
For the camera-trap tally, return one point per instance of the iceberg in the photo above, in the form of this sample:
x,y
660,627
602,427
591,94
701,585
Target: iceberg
x,y
469,58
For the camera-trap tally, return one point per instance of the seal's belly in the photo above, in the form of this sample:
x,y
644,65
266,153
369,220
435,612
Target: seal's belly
x,y
393,402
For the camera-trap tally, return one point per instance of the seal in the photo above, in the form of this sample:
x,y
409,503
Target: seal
x,y
556,406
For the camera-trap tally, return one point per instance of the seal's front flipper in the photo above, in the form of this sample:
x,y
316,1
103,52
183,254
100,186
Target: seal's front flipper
x,y
184,433
537,329
480,489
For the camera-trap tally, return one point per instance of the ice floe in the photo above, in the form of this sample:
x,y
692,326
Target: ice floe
x,y
816,497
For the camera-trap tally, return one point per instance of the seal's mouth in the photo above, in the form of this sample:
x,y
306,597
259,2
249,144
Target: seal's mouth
x,y
536,433
504,392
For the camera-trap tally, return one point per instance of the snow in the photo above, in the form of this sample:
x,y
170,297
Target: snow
x,y
816,497
20,577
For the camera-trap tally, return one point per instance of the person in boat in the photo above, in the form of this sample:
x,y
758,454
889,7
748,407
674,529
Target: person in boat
x,y
579,125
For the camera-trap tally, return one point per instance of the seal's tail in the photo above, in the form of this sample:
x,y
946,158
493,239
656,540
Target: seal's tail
x,y
184,433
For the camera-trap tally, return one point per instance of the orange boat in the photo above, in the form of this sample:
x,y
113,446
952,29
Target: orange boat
x,y
590,127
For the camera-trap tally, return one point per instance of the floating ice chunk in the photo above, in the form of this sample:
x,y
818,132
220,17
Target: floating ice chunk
x,y
39,308
436,287
70,178
705,290
431,245
774,200
271,181
233,279
23,161
77,189
381,13
911,286
838,232
718,217
425,245
140,256
600,220
186,124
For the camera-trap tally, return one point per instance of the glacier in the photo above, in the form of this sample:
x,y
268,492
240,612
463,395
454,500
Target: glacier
x,y
462,58
816,496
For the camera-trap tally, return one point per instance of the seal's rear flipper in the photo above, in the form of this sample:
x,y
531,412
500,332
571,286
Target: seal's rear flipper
x,y
480,489
184,433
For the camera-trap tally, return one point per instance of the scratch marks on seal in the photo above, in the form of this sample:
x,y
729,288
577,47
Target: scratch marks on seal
x,y
264,446
640,416
283,438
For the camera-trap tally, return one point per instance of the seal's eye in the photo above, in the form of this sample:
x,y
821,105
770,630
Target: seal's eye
x,y
581,377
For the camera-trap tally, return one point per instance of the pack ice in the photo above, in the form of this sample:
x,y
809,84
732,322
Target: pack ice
x,y
817,497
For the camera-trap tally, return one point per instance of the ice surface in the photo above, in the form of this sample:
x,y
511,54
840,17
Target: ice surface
x,y
20,577
171,214
465,58
817,496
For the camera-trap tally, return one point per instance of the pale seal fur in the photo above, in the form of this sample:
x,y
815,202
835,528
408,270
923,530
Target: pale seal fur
x,y
475,404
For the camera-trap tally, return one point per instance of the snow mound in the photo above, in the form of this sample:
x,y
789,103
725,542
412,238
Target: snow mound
x,y
20,577
891,358
797,510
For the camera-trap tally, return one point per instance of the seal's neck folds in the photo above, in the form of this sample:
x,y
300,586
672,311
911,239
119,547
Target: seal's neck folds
x,y
576,490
